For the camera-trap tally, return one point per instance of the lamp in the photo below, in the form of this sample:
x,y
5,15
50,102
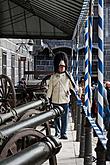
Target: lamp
x,y
47,48
28,46
30,42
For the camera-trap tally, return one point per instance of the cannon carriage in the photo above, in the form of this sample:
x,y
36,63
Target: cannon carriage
x,y
30,93
12,96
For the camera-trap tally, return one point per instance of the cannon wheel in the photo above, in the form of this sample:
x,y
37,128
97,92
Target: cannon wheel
x,y
7,93
20,141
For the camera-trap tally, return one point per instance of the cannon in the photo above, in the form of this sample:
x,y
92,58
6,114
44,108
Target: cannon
x,y
17,136
18,111
31,122
11,96
32,90
37,153
29,93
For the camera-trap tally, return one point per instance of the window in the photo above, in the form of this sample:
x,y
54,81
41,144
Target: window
x,y
95,10
4,62
95,67
95,29
13,68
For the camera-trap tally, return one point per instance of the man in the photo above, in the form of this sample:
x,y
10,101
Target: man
x,y
59,92
108,115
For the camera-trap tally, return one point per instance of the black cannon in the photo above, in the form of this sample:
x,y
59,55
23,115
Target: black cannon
x,y
37,153
19,111
29,93
31,122
20,135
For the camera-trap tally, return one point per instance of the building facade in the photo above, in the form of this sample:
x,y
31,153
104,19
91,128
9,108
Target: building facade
x,y
15,58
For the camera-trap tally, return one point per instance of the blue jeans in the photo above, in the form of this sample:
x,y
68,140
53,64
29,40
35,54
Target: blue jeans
x,y
61,122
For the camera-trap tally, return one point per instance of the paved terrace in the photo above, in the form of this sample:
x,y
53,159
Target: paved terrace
x,y
69,153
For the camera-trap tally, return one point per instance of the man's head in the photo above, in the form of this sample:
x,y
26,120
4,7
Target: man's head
x,y
107,84
61,66
23,79
60,62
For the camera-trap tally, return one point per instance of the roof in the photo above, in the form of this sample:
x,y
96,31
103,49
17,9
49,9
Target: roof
x,y
39,19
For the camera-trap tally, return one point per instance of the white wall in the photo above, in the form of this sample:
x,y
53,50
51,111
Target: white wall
x,y
9,45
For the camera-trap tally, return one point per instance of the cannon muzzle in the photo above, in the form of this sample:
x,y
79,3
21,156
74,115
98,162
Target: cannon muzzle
x,y
37,153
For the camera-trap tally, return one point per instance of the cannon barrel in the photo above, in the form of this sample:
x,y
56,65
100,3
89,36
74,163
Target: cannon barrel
x,y
37,153
31,122
21,110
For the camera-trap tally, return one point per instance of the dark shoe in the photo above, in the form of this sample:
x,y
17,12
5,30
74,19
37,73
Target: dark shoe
x,y
57,135
64,137
108,156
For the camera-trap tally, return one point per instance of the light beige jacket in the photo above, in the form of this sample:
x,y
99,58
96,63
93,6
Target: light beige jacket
x,y
59,88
